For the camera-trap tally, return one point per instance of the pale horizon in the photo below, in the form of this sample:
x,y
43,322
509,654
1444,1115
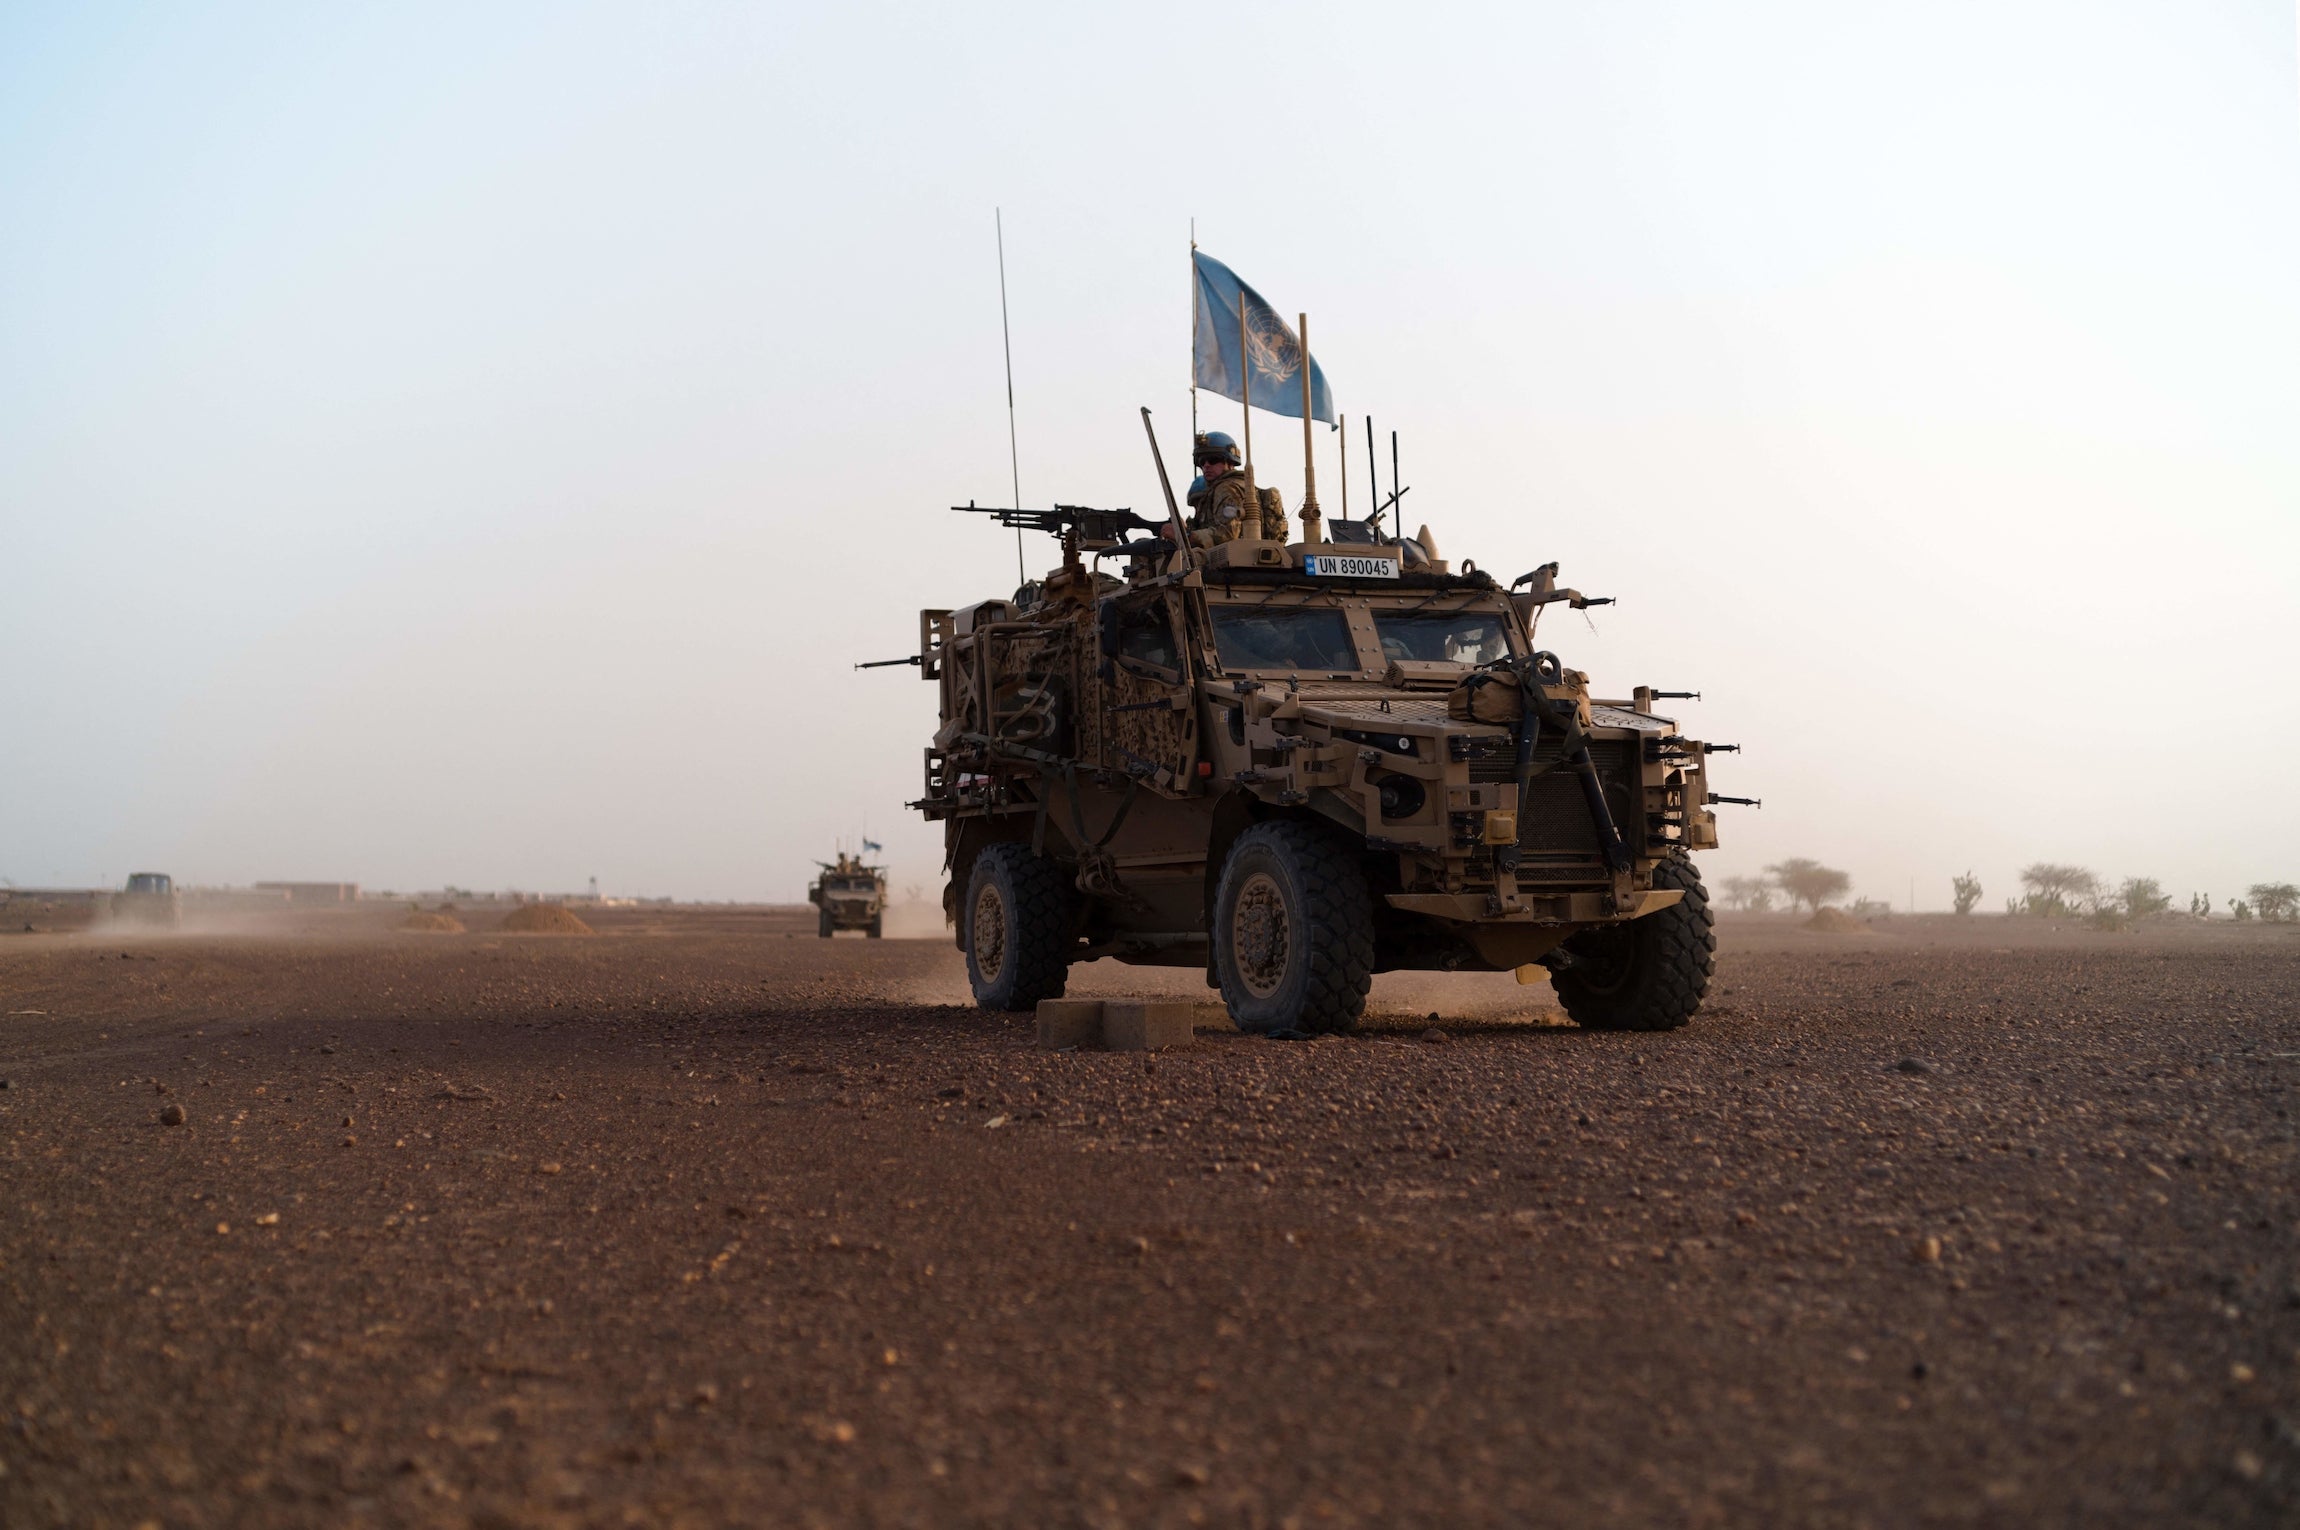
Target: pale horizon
x,y
448,448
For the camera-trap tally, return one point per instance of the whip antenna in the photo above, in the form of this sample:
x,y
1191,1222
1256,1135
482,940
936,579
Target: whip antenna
x,y
1006,339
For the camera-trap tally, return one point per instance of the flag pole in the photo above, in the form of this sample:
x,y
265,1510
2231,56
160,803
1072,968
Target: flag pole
x,y
1311,532
1245,386
1342,428
1193,334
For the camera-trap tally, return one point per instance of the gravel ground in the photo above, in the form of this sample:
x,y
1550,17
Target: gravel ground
x,y
1945,1224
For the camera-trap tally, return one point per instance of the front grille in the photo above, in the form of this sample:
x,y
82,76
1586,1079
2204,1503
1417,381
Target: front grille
x,y
1555,816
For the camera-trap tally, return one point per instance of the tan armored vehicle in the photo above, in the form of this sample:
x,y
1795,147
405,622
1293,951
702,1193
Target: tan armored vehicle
x,y
1297,765
149,898
848,896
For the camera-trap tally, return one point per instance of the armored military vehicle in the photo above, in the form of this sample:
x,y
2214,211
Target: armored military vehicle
x,y
848,896
149,898
1299,764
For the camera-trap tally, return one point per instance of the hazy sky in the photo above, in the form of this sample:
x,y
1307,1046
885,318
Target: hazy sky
x,y
470,444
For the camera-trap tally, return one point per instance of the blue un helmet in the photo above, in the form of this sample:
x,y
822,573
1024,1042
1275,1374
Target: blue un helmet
x,y
1214,446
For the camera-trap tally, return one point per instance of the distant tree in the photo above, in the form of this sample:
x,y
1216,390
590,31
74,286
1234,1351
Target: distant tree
x,y
2240,911
2055,890
2200,904
2276,901
1753,894
2141,897
1968,892
1809,883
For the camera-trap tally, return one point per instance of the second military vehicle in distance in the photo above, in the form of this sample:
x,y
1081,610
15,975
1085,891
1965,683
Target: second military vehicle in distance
x,y
1297,765
149,898
848,896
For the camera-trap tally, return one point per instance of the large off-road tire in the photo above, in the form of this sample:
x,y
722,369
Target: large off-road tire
x,y
1016,920
1648,974
877,922
823,923
1293,931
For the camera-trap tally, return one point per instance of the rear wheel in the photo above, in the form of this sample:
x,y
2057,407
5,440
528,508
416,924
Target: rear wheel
x,y
1292,931
1648,974
1017,927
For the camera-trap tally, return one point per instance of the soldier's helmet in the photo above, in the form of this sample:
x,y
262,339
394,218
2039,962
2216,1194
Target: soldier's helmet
x,y
1214,446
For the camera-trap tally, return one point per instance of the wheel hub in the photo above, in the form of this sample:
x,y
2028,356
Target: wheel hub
x,y
1258,942
989,933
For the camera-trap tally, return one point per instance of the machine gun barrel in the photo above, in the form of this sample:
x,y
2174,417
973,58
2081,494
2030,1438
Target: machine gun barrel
x,y
1062,518
884,663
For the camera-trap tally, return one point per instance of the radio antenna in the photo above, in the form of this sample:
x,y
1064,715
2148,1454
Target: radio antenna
x,y
1373,477
1006,339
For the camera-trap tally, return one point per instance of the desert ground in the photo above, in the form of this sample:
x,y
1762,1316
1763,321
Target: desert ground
x,y
701,1220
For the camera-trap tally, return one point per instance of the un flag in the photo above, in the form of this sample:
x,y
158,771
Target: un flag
x,y
1267,346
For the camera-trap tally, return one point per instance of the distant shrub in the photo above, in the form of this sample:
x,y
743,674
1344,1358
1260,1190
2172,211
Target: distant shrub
x,y
2055,891
2277,902
2240,911
1809,883
1967,891
2142,898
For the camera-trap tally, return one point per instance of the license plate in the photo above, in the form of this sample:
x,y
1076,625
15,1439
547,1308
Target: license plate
x,y
1330,566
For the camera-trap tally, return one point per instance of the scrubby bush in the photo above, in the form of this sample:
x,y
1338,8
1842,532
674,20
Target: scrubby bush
x,y
2142,898
1750,894
2240,911
1809,883
2277,902
2056,891
1967,890
2200,904
1870,908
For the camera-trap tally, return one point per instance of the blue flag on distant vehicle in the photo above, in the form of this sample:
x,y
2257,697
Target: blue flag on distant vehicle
x,y
1271,349
870,845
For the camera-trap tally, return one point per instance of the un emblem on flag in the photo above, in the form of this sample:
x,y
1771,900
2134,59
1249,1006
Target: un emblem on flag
x,y
1271,346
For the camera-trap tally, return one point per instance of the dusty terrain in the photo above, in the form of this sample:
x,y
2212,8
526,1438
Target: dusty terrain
x,y
704,1221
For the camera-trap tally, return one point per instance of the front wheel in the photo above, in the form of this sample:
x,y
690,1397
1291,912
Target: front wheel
x,y
1293,932
1648,974
823,923
1018,935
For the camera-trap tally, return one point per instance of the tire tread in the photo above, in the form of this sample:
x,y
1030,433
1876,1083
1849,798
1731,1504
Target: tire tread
x,y
1676,955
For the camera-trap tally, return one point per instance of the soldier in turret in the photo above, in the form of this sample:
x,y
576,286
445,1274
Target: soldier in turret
x,y
1223,505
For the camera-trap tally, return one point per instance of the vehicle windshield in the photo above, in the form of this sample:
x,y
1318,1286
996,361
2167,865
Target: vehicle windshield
x,y
1448,637
1291,638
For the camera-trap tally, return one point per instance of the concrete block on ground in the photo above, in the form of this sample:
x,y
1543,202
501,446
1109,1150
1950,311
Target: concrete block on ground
x,y
1145,1025
1069,1023
1212,1016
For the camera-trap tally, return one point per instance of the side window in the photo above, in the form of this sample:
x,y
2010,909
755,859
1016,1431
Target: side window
x,y
1147,637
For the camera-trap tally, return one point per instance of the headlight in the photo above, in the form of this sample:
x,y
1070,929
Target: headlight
x,y
1402,796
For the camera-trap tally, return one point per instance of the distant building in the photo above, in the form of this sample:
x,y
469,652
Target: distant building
x,y
313,892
